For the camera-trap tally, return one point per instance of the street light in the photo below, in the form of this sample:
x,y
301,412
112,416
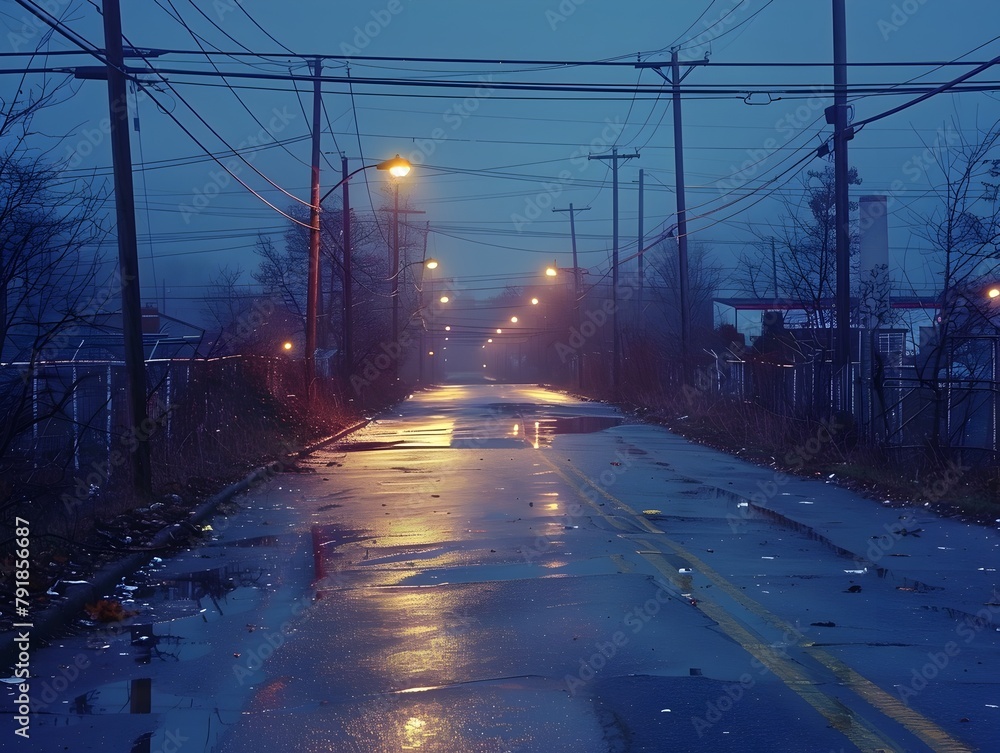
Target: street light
x,y
551,271
994,293
534,301
397,167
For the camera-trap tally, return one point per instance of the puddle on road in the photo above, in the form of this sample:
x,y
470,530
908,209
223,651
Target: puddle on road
x,y
205,594
183,717
513,571
366,446
213,584
579,424
530,424
539,431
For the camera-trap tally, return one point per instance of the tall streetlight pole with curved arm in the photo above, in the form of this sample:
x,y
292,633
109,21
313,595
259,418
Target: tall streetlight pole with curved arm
x,y
397,167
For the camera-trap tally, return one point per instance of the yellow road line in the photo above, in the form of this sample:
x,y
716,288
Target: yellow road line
x,y
861,734
857,730
891,706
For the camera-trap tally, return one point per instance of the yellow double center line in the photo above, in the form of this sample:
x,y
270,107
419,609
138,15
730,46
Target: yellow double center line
x,y
859,731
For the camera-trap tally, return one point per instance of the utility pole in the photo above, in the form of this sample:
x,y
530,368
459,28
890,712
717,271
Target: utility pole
x,y
774,270
576,287
640,251
312,285
128,257
420,306
841,135
675,79
396,211
347,363
613,158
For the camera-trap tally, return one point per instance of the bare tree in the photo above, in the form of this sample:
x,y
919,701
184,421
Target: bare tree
x,y
282,274
795,259
50,229
246,321
963,231
704,279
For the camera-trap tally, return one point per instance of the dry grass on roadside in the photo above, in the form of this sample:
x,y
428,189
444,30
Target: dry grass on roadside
x,y
821,448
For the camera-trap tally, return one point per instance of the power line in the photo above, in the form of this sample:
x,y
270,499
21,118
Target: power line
x,y
515,61
745,21
243,104
729,89
88,48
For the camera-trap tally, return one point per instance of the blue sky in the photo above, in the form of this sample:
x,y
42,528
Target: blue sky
x,y
495,163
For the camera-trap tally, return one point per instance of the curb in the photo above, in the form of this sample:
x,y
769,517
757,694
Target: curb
x,y
50,620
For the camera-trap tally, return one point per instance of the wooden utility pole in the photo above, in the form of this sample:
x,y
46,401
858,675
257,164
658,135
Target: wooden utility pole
x,y
312,284
576,287
682,232
841,135
675,79
128,257
640,250
347,363
614,158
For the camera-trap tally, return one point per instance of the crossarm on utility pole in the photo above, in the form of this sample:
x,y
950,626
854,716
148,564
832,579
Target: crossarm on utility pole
x,y
675,79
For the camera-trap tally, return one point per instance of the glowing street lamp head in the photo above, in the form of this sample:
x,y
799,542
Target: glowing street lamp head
x,y
444,299
550,272
447,328
499,331
431,264
397,166
513,320
489,340
534,301
287,346
994,293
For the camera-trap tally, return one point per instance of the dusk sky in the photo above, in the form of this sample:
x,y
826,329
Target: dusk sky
x,y
491,163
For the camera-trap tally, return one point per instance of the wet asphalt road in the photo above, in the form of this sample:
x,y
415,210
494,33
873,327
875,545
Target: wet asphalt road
x,y
504,568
